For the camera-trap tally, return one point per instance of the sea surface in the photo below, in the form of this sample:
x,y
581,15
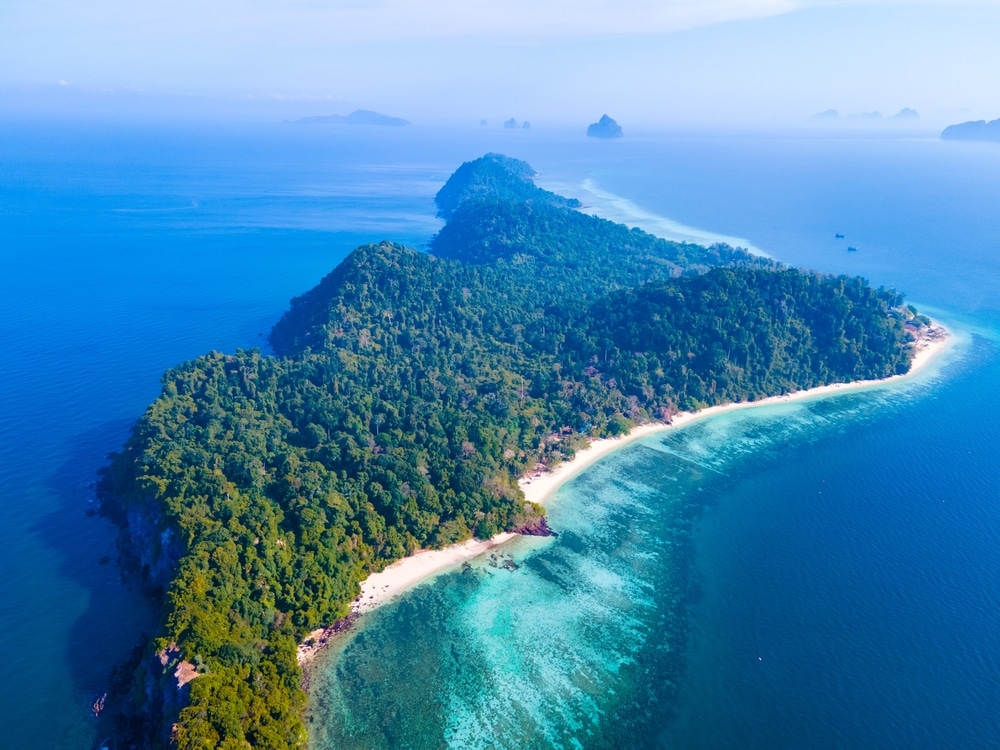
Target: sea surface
x,y
810,575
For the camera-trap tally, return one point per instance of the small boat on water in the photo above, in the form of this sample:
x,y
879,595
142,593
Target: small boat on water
x,y
838,236
852,249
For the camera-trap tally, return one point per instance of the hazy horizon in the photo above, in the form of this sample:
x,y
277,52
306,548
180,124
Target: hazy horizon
x,y
716,63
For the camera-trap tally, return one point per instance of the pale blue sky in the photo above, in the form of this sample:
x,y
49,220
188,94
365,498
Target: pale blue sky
x,y
550,61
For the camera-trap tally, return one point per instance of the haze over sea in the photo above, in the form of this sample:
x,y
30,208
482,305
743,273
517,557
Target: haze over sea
x,y
818,574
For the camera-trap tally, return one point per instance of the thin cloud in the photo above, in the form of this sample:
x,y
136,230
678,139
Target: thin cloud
x,y
370,20
527,19
364,21
267,24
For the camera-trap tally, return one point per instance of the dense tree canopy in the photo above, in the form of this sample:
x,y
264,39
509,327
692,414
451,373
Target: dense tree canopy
x,y
490,177
410,391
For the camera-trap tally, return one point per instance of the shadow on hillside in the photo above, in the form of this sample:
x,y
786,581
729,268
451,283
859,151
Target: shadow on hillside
x,y
118,614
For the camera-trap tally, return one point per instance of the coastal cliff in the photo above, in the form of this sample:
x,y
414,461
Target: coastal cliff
x,y
409,393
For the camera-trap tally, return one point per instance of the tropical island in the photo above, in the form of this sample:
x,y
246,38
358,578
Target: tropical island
x,y
408,394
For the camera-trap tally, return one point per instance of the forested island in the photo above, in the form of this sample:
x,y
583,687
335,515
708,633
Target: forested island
x,y
407,394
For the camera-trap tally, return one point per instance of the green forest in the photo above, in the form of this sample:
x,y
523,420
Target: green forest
x,y
407,393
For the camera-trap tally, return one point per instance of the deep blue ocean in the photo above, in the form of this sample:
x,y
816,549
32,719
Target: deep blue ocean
x,y
819,574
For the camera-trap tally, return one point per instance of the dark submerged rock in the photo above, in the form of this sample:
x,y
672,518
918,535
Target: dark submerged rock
x,y
536,527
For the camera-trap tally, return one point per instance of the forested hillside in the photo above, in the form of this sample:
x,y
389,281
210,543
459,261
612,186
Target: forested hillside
x,y
408,393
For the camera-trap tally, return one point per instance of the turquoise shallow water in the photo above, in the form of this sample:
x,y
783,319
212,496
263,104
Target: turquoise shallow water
x,y
847,590
823,576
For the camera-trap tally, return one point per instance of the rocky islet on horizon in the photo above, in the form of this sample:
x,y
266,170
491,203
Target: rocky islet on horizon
x,y
606,127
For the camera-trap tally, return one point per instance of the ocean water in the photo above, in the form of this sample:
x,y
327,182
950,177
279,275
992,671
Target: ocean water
x,y
816,575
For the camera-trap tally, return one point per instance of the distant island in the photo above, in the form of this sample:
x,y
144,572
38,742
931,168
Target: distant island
x,y
408,393
357,117
976,130
604,128
832,115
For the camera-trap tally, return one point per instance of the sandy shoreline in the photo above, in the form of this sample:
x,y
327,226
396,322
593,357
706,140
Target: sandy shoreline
x,y
404,574
537,487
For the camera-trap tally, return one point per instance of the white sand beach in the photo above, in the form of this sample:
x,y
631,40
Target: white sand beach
x,y
404,574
